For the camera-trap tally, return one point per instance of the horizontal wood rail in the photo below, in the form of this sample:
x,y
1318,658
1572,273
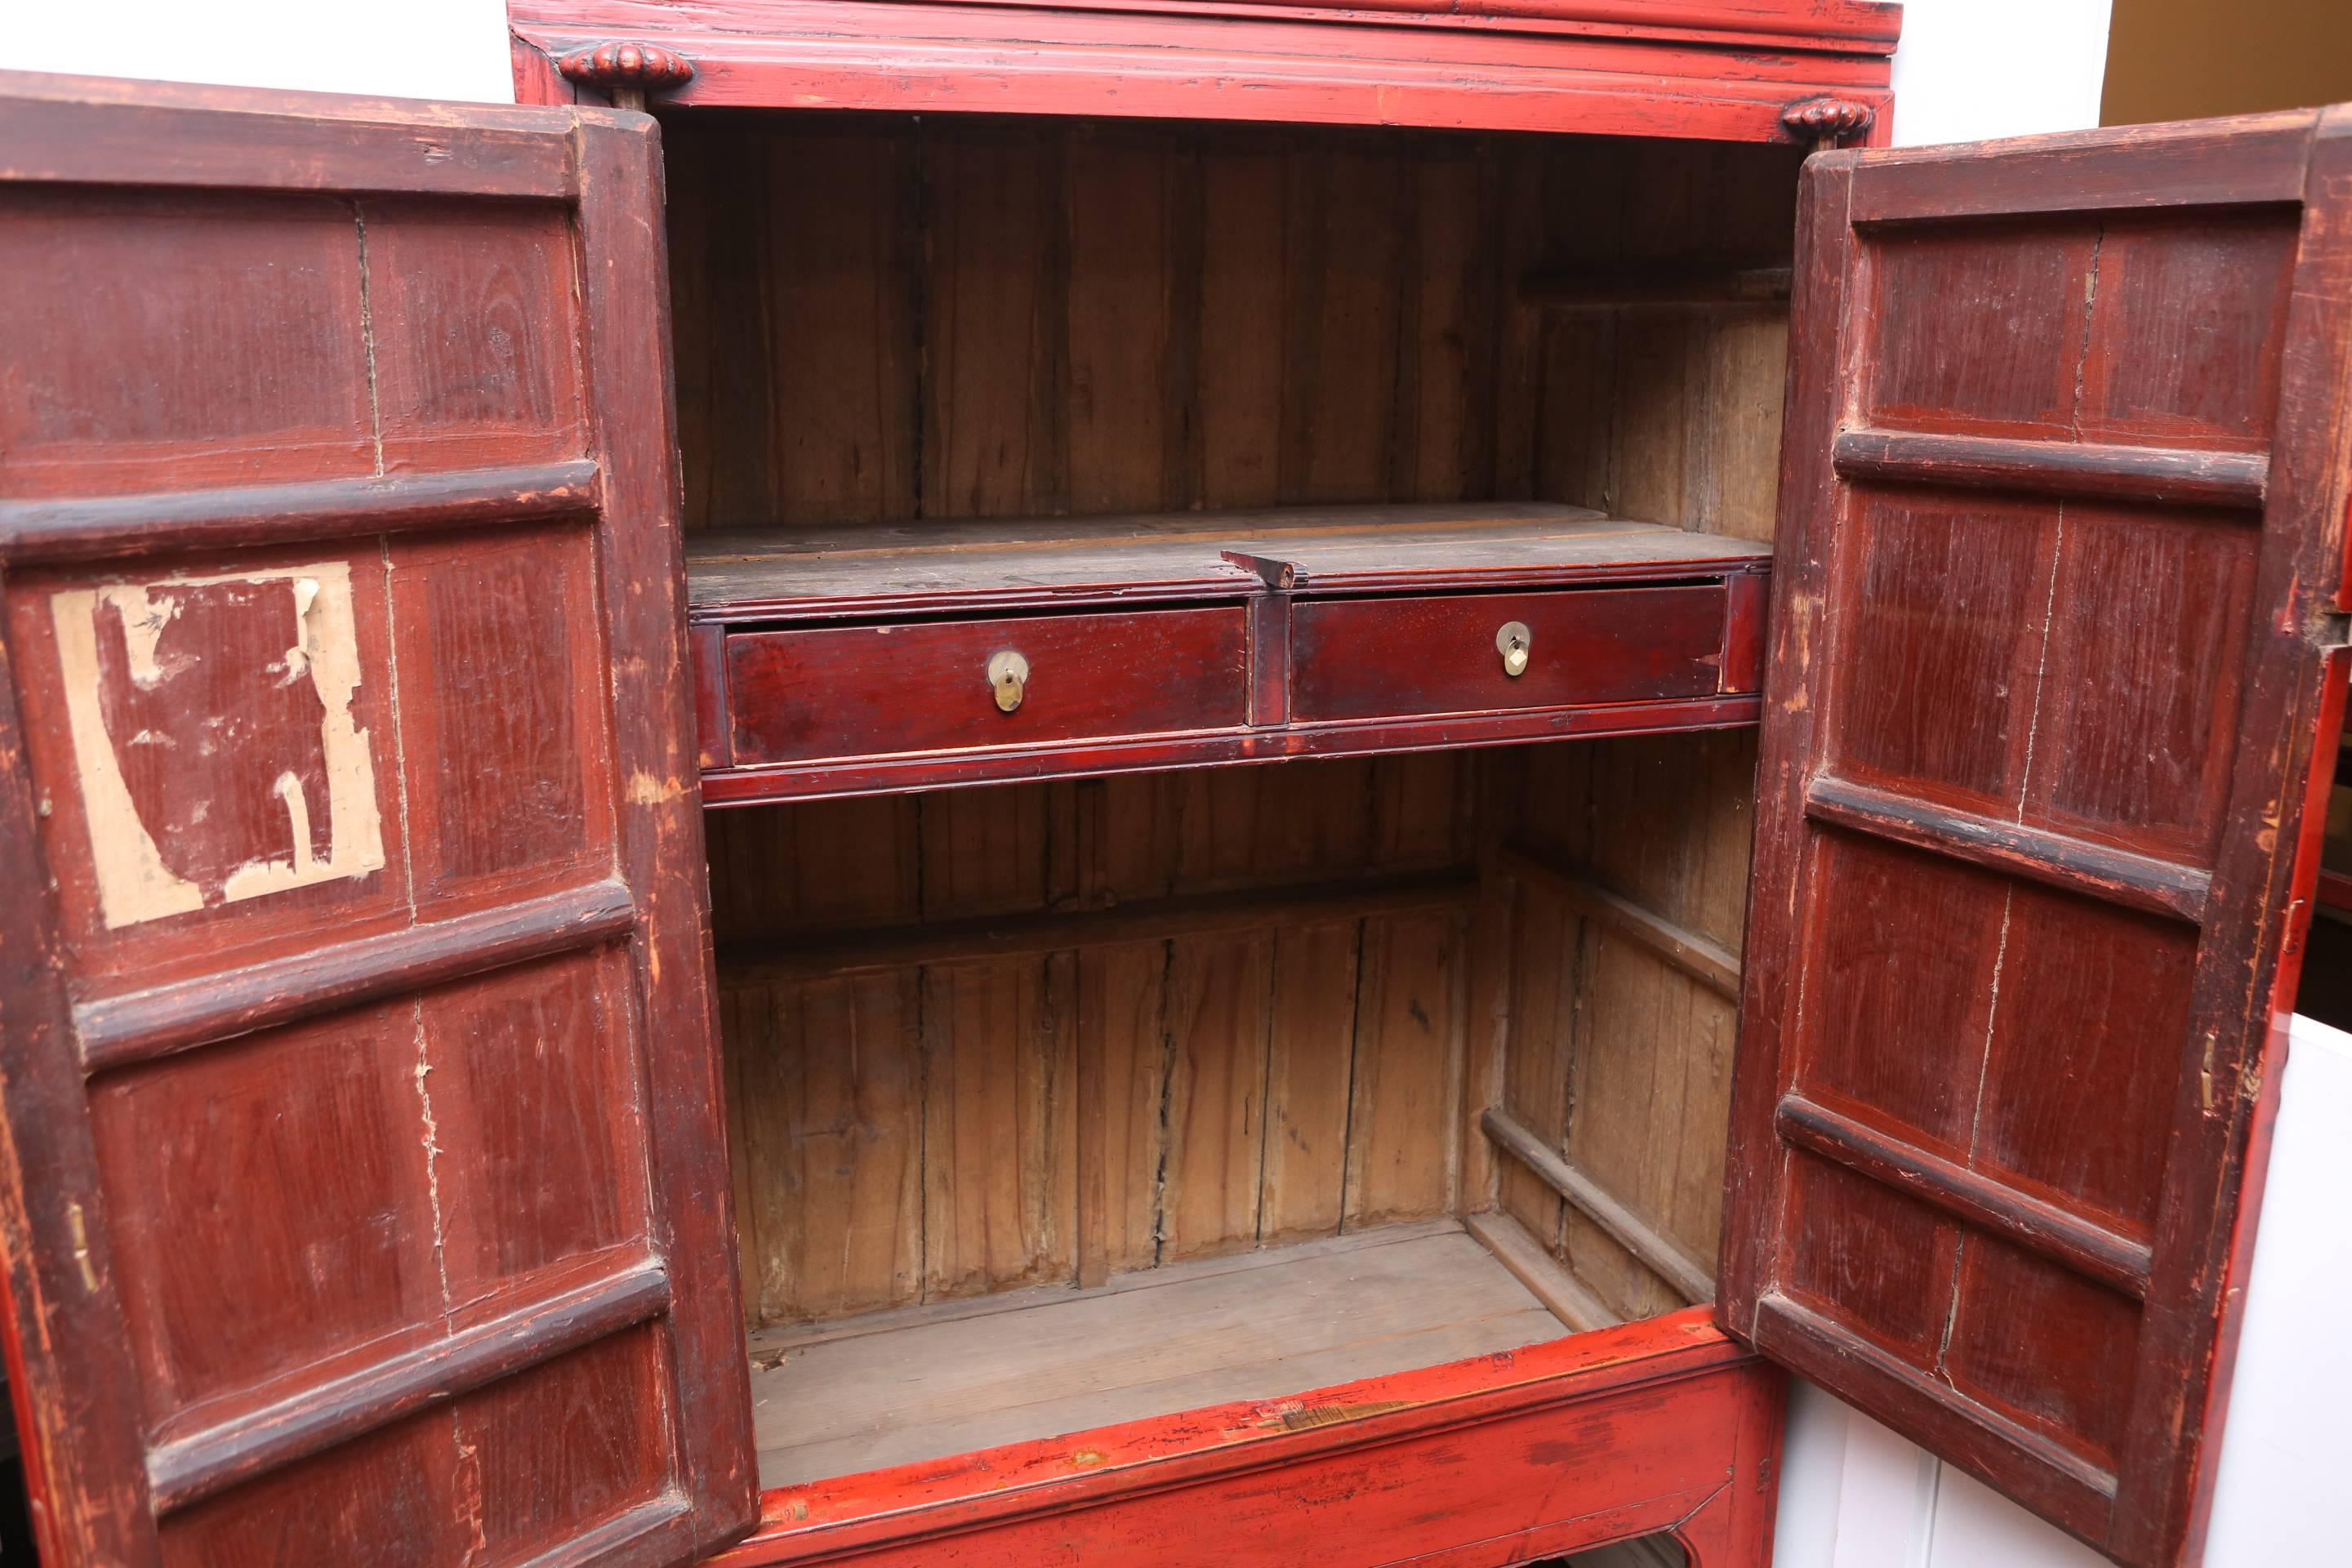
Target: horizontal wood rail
x,y
2075,865
1659,286
2160,169
2070,1488
2066,1238
1564,1295
1102,759
96,130
559,1312
113,526
656,1531
1660,1254
1710,964
2180,477
1060,931
138,1026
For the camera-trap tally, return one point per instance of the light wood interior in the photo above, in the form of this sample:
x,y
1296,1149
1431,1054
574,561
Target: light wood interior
x,y
1044,1038
925,1383
879,318
1082,1049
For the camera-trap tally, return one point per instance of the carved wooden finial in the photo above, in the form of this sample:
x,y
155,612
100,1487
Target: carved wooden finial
x,y
627,72
1825,121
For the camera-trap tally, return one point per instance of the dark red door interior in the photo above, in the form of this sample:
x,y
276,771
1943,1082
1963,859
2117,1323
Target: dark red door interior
x,y
363,1187
2062,523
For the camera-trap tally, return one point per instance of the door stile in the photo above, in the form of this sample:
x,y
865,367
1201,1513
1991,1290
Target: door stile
x,y
2063,527
626,319
85,1467
1792,691
376,1203
2214,1177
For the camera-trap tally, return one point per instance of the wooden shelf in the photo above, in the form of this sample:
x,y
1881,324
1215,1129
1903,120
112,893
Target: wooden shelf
x,y
937,567
855,661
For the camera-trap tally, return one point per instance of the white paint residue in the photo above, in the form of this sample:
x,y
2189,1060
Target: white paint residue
x,y
326,647
297,816
134,883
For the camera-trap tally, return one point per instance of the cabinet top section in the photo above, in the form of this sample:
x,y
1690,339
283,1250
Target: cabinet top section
x,y
1746,70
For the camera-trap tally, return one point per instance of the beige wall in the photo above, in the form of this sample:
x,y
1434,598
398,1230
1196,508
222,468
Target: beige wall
x,y
2176,59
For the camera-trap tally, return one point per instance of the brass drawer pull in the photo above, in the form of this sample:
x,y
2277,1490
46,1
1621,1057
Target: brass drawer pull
x,y
1008,678
1513,640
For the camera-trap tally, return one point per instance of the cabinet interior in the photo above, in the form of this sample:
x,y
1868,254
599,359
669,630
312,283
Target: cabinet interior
x,y
1059,1103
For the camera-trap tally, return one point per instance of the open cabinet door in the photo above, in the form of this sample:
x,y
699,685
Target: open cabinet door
x,y
2062,530
362,1184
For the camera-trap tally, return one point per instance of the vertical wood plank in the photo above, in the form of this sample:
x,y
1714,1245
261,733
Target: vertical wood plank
x,y
831,1077
1311,1060
996,322
1218,994
999,1171
1546,950
1244,320
1513,195
1401,1121
1120,286
1452,433
1345,294
839,253
1123,1072
990,851
796,352
742,1029
1495,779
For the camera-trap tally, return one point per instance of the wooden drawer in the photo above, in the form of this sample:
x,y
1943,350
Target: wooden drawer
x,y
801,695
1393,657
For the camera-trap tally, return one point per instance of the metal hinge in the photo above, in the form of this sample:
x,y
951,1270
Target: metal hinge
x,y
2331,630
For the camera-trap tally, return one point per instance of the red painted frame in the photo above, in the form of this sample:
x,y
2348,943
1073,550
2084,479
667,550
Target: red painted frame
x,y
1656,1426
1664,1426
1720,69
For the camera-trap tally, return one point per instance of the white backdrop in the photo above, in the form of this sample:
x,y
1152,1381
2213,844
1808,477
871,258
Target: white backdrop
x,y
1853,1495
1971,68
393,48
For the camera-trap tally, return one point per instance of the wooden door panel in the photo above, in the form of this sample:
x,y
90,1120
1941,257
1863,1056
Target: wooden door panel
x,y
497,643
2062,515
360,1068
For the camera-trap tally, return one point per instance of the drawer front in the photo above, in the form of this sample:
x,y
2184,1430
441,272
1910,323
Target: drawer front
x,y
858,692
1380,659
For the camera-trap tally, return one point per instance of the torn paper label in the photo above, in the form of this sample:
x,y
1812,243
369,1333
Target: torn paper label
x,y
213,735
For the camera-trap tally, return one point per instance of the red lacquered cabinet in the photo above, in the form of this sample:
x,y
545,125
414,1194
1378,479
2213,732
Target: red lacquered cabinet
x,y
1367,875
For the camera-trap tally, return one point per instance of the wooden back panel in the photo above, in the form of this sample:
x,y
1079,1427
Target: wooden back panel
x,y
363,1188
2062,516
967,317
1047,1032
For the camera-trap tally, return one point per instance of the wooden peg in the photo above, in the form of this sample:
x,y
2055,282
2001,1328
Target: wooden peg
x,y
627,72
1826,121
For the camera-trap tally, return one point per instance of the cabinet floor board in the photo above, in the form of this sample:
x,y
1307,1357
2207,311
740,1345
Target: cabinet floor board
x,y
1091,1359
